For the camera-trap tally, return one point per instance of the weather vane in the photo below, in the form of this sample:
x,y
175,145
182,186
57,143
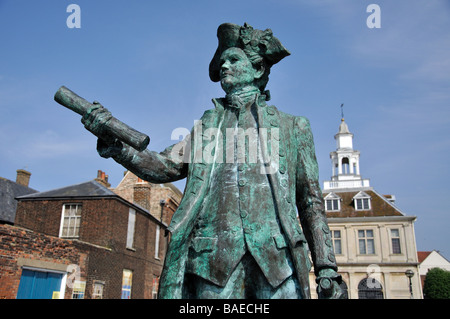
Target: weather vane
x,y
342,111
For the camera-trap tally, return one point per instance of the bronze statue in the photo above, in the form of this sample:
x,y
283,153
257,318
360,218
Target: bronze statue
x,y
236,233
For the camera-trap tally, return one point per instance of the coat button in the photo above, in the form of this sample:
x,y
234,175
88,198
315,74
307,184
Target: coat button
x,y
242,182
331,258
244,214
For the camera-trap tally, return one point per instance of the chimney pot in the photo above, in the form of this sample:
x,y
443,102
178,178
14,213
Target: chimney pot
x,y
102,178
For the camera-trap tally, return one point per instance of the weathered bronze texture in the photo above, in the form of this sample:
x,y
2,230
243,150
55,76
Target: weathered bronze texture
x,y
113,127
249,169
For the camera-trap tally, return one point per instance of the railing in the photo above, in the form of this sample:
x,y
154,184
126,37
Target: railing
x,y
346,184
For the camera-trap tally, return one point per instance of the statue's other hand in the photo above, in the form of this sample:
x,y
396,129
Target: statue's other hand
x,y
107,149
328,285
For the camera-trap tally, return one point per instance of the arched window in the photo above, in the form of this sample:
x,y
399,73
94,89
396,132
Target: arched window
x,y
345,166
344,288
370,288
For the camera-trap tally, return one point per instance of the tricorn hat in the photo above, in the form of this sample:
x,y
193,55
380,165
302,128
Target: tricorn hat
x,y
252,41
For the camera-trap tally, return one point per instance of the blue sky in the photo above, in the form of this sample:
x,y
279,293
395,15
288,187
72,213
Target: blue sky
x,y
147,62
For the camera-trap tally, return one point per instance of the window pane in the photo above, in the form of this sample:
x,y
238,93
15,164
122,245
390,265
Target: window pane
x,y
337,234
361,234
358,204
131,227
362,246
396,246
337,247
395,233
158,230
78,290
98,291
370,246
365,203
329,204
369,233
126,283
335,204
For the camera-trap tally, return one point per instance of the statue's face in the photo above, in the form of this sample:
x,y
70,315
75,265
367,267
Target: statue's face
x,y
236,70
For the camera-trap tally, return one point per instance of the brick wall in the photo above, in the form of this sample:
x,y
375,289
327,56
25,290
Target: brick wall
x,y
101,245
21,247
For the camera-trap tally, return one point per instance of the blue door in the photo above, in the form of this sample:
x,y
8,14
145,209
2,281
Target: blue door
x,y
38,284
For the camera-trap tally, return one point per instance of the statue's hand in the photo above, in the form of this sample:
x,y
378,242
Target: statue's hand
x,y
328,285
95,120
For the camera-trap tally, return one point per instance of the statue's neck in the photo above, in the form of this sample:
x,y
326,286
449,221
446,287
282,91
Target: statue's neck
x,y
244,94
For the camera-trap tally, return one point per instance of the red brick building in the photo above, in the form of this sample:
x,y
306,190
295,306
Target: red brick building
x,y
86,241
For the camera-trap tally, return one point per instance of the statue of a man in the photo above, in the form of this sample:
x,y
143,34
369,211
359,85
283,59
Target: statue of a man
x,y
236,233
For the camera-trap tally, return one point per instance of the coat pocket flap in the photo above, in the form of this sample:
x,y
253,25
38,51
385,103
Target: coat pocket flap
x,y
203,243
280,242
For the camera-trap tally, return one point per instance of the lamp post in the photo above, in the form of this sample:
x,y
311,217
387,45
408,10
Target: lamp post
x,y
409,273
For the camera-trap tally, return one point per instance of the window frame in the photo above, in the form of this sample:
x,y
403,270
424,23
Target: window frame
x,y
79,289
76,235
95,293
392,238
126,292
131,228
157,241
361,197
366,239
334,239
333,198
155,287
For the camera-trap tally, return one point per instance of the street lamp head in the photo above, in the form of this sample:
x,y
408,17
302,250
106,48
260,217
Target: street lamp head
x,y
409,273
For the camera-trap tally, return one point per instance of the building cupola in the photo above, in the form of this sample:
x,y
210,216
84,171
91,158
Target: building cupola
x,y
345,162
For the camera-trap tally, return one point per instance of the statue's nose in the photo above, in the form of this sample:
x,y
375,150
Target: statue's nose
x,y
225,65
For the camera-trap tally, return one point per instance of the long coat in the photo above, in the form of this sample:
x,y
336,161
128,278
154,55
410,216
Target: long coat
x,y
294,185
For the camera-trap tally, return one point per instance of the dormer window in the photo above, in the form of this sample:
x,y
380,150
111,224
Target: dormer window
x,y
362,201
332,203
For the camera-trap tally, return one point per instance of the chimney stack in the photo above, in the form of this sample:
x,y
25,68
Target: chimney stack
x,y
102,178
141,195
23,177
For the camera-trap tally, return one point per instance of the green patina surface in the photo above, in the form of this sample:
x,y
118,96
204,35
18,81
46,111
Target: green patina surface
x,y
256,172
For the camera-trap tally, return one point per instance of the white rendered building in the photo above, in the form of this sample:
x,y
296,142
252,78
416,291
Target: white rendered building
x,y
373,240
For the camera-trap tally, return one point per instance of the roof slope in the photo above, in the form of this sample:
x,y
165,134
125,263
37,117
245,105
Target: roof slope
x,y
87,189
9,190
379,205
